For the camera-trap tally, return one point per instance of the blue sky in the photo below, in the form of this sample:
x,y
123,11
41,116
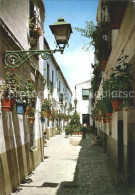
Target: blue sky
x,y
75,63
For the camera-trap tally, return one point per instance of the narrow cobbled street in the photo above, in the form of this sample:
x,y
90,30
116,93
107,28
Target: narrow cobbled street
x,y
72,166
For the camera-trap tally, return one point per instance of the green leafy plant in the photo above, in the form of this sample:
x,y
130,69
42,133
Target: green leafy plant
x,y
74,125
95,34
28,93
46,105
12,85
120,82
54,114
96,80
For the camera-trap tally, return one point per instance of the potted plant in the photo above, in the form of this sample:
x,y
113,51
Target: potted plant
x,y
33,41
106,119
42,118
39,31
119,84
32,116
54,114
28,95
46,107
21,107
10,90
61,116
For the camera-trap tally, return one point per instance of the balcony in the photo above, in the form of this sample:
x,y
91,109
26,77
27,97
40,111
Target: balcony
x,y
117,11
104,55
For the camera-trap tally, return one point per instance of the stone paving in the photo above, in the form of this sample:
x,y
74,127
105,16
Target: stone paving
x,y
73,167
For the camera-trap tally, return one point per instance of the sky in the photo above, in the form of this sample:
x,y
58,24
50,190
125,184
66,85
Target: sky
x,y
75,63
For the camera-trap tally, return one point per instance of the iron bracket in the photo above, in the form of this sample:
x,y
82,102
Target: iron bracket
x,y
14,59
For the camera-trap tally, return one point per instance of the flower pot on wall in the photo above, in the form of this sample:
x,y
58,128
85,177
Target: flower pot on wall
x,y
99,120
108,114
42,120
31,119
28,110
47,113
20,108
7,104
106,119
116,102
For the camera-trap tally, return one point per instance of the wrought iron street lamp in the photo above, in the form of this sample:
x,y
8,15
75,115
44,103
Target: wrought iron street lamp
x,y
61,31
75,100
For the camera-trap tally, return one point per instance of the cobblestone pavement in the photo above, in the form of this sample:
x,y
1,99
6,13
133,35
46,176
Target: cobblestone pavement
x,y
73,167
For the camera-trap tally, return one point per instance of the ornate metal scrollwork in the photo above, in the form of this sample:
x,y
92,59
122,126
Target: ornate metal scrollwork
x,y
14,59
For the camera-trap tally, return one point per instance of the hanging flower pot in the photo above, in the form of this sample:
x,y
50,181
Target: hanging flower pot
x,y
31,119
39,31
28,110
116,102
106,119
42,120
47,113
20,107
100,112
108,114
7,104
99,120
108,108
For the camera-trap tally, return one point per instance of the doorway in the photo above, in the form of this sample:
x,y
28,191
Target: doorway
x,y
131,154
120,146
86,119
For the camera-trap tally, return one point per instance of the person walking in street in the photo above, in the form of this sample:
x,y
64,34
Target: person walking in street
x,y
84,130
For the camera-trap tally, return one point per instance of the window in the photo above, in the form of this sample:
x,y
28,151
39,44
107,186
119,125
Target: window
x,y
85,94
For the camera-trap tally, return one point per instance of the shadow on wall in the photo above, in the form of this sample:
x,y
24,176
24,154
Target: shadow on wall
x,y
2,183
17,160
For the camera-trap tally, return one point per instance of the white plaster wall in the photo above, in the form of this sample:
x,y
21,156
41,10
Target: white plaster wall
x,y
114,36
107,128
14,12
125,125
83,106
55,95
2,139
124,40
41,61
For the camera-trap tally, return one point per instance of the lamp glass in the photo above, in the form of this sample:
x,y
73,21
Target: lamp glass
x,y
61,31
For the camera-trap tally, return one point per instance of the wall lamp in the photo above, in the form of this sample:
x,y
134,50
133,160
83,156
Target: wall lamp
x,y
61,31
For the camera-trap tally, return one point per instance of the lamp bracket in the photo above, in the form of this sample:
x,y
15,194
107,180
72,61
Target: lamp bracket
x,y
14,59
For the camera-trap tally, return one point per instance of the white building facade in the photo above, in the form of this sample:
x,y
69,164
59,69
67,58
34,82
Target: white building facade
x,y
83,107
58,91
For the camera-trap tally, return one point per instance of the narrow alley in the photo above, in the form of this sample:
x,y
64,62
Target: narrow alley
x,y
72,166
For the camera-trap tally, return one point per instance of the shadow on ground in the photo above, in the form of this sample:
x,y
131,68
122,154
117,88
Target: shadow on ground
x,y
94,174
